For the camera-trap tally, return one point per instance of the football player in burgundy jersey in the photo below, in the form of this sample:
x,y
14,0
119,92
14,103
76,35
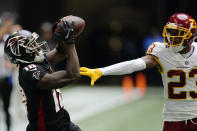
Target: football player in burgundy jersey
x,y
40,85
176,60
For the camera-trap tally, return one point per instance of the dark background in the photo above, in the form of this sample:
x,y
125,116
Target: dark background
x,y
110,26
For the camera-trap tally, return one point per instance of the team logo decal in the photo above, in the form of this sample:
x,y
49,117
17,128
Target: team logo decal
x,y
192,23
14,44
36,75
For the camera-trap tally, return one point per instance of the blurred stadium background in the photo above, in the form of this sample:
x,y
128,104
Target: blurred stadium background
x,y
115,31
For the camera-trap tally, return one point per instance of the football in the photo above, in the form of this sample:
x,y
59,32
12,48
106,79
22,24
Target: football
x,y
79,24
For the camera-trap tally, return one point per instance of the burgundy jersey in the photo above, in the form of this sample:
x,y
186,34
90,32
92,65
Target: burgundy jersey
x,y
44,107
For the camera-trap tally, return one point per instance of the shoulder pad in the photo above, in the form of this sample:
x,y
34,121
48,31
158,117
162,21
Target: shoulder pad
x,y
155,48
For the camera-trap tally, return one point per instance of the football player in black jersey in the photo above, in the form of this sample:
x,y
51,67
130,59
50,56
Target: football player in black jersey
x,y
40,84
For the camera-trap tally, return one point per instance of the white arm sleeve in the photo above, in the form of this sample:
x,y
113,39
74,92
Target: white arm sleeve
x,y
126,67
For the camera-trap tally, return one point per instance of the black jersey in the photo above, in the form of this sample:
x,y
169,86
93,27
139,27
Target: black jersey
x,y
44,107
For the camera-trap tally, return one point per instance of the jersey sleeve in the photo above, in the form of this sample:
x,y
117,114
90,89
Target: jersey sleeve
x,y
32,74
158,51
155,49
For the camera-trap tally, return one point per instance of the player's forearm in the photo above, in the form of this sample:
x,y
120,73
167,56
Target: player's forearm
x,y
72,66
122,68
57,54
55,80
61,47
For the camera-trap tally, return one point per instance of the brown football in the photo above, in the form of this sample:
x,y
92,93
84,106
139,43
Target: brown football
x,y
79,24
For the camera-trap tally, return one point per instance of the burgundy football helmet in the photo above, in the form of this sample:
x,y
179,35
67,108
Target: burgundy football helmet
x,y
180,30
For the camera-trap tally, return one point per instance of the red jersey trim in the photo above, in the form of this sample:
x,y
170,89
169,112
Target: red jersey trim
x,y
58,99
41,122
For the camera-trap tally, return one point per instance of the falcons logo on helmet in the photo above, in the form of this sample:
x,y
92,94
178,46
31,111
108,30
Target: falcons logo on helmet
x,y
14,44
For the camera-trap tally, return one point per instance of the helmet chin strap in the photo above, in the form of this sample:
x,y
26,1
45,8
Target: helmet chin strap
x,y
40,57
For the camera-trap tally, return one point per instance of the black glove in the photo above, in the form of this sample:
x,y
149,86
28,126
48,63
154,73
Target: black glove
x,y
65,33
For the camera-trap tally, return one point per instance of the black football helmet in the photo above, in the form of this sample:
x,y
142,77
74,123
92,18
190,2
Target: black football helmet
x,y
21,47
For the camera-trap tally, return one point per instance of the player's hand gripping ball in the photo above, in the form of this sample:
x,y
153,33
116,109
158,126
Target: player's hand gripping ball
x,y
68,27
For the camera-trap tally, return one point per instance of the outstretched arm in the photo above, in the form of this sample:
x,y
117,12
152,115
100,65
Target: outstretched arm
x,y
122,68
